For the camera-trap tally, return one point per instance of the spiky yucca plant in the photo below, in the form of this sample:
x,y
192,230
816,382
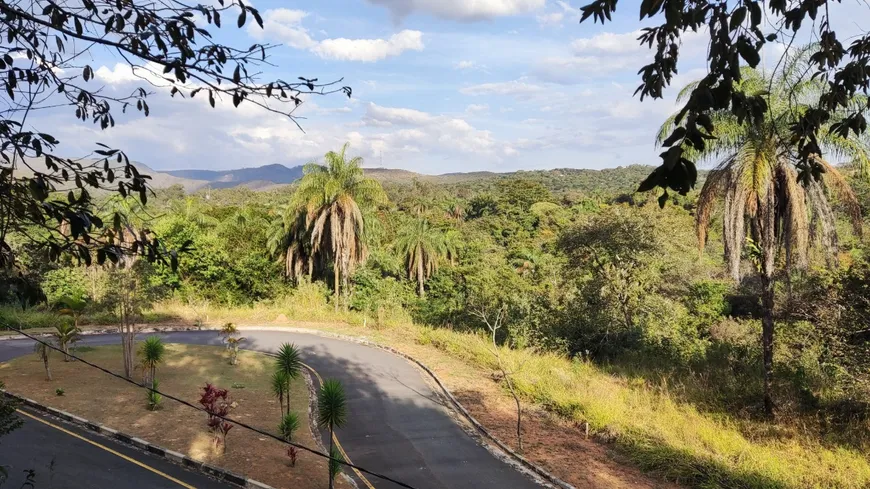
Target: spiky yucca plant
x,y
756,179
332,414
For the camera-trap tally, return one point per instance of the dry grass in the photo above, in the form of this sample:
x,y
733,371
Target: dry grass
x,y
99,397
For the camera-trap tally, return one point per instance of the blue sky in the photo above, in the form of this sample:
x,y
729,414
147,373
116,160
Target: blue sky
x,y
439,86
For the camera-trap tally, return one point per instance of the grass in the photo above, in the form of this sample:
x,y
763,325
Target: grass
x,y
98,397
656,431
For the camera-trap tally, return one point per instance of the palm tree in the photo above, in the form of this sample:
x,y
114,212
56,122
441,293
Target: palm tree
x,y
43,351
422,247
289,238
74,306
757,180
280,386
288,363
332,197
66,334
152,352
331,414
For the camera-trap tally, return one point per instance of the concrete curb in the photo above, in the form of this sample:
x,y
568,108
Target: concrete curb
x,y
175,457
523,462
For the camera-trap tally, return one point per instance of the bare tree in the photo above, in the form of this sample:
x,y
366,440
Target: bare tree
x,y
494,321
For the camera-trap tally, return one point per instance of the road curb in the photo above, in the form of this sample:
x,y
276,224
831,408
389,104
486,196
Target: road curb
x,y
174,457
523,462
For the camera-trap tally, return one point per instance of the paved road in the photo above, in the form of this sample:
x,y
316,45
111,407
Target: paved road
x,y
397,425
61,460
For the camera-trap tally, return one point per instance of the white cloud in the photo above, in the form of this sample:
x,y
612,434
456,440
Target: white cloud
x,y
464,65
514,87
608,43
462,10
368,50
427,132
551,19
285,26
477,109
123,73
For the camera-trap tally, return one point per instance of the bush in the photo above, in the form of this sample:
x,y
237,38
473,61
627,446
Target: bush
x,y
289,424
64,282
14,318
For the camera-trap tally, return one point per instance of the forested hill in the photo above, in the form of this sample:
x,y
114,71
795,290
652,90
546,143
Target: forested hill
x,y
608,181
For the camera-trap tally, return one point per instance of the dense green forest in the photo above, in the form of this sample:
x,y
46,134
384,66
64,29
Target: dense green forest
x,y
576,264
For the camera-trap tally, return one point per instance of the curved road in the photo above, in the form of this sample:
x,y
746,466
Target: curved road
x,y
397,425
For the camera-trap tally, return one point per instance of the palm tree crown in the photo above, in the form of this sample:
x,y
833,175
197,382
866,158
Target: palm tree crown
x,y
325,218
422,247
757,180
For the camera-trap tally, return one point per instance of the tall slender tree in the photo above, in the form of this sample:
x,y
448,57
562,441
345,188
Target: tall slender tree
x,y
331,414
332,197
422,247
152,352
757,181
289,366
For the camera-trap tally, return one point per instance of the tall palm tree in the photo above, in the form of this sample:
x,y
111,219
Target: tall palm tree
x,y
332,197
288,363
756,179
422,247
331,414
152,352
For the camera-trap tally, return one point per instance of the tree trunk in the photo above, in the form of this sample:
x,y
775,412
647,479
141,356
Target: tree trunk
x,y
335,267
47,370
288,398
767,335
329,465
420,277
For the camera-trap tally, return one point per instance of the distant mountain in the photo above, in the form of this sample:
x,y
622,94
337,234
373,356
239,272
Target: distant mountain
x,y
263,176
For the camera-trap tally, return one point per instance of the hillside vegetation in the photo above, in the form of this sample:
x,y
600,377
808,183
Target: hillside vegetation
x,y
610,314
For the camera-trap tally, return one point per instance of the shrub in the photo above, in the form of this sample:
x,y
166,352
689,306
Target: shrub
x,y
289,424
154,398
217,404
58,391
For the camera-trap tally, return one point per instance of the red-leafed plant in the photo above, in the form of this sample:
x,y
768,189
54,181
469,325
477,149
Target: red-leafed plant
x,y
292,452
217,404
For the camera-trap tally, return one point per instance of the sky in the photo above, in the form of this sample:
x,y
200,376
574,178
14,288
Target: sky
x,y
438,86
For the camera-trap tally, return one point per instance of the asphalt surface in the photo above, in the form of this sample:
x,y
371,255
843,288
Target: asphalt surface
x,y
60,460
397,425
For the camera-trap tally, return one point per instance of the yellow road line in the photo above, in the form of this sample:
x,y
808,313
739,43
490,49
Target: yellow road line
x,y
335,439
113,452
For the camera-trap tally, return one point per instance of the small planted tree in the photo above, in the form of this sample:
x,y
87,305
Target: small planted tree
x,y
288,361
228,332
332,414
233,346
44,353
154,398
280,387
66,334
216,403
289,425
152,351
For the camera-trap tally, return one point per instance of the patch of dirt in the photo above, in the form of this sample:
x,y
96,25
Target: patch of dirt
x,y
99,397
